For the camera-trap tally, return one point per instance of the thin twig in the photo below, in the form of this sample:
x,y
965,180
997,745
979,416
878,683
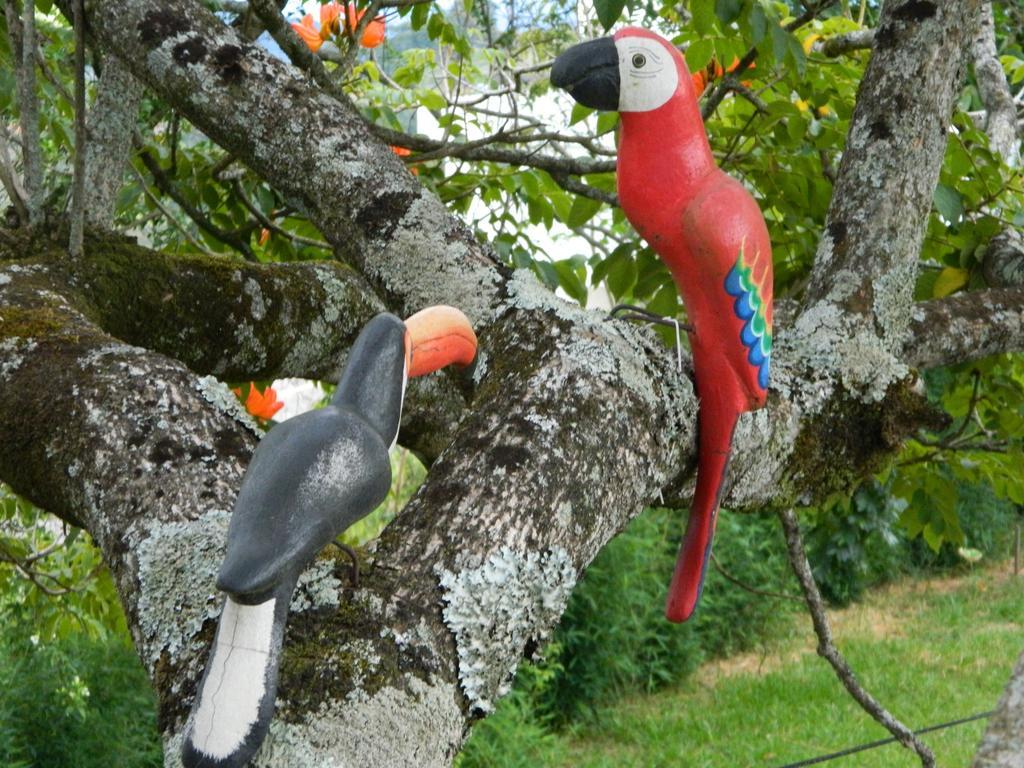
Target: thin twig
x,y
267,222
730,81
577,166
52,78
753,590
355,35
571,184
827,648
167,186
171,217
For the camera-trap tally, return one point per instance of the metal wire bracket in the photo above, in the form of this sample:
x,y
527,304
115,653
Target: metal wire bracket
x,y
639,314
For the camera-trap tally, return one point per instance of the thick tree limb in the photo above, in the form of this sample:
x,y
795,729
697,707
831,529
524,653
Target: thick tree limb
x,y
860,293
77,213
867,259
111,128
1003,262
966,326
827,647
270,320
10,179
28,104
1001,112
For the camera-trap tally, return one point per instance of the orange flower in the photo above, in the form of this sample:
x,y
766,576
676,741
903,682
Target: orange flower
x,y
264,404
405,152
373,35
264,236
713,71
330,24
311,36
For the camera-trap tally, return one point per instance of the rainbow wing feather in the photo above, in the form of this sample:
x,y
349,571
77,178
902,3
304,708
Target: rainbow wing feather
x,y
750,306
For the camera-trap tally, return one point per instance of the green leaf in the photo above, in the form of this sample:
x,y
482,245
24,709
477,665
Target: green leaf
x,y
622,277
435,26
948,203
570,280
606,122
433,100
703,15
608,11
949,280
728,10
583,210
419,15
758,23
699,54
780,42
579,112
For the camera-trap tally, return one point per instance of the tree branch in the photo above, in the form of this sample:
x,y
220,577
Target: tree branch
x,y
111,128
28,104
1001,118
10,179
966,326
861,285
228,318
840,45
871,246
1003,262
1003,741
827,648
78,175
485,150
313,149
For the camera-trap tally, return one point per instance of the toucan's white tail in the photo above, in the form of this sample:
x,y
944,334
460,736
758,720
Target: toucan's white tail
x,y
236,697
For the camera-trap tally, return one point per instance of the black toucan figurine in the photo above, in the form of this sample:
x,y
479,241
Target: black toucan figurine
x,y
310,478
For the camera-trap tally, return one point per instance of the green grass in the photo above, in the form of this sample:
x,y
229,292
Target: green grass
x,y
931,651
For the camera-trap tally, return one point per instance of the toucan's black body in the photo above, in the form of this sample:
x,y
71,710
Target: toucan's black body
x,y
316,474
310,478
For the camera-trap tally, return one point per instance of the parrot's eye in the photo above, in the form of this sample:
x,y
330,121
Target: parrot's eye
x,y
639,60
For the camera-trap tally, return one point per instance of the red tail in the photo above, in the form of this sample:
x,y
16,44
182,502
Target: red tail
x,y
716,425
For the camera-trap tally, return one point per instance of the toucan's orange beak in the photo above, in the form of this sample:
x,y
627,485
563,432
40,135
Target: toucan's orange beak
x,y
438,336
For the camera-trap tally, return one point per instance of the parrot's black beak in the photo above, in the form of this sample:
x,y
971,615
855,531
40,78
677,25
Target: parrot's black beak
x,y
590,73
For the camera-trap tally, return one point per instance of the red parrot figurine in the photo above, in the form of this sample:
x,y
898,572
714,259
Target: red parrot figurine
x,y
709,232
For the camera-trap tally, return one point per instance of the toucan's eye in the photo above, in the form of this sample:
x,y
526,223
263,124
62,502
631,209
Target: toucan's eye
x,y
639,60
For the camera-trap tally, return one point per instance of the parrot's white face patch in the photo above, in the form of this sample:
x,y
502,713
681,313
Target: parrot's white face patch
x,y
647,74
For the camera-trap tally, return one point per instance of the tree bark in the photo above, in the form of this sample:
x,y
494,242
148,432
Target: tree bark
x,y
1002,745
567,426
1001,112
111,127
